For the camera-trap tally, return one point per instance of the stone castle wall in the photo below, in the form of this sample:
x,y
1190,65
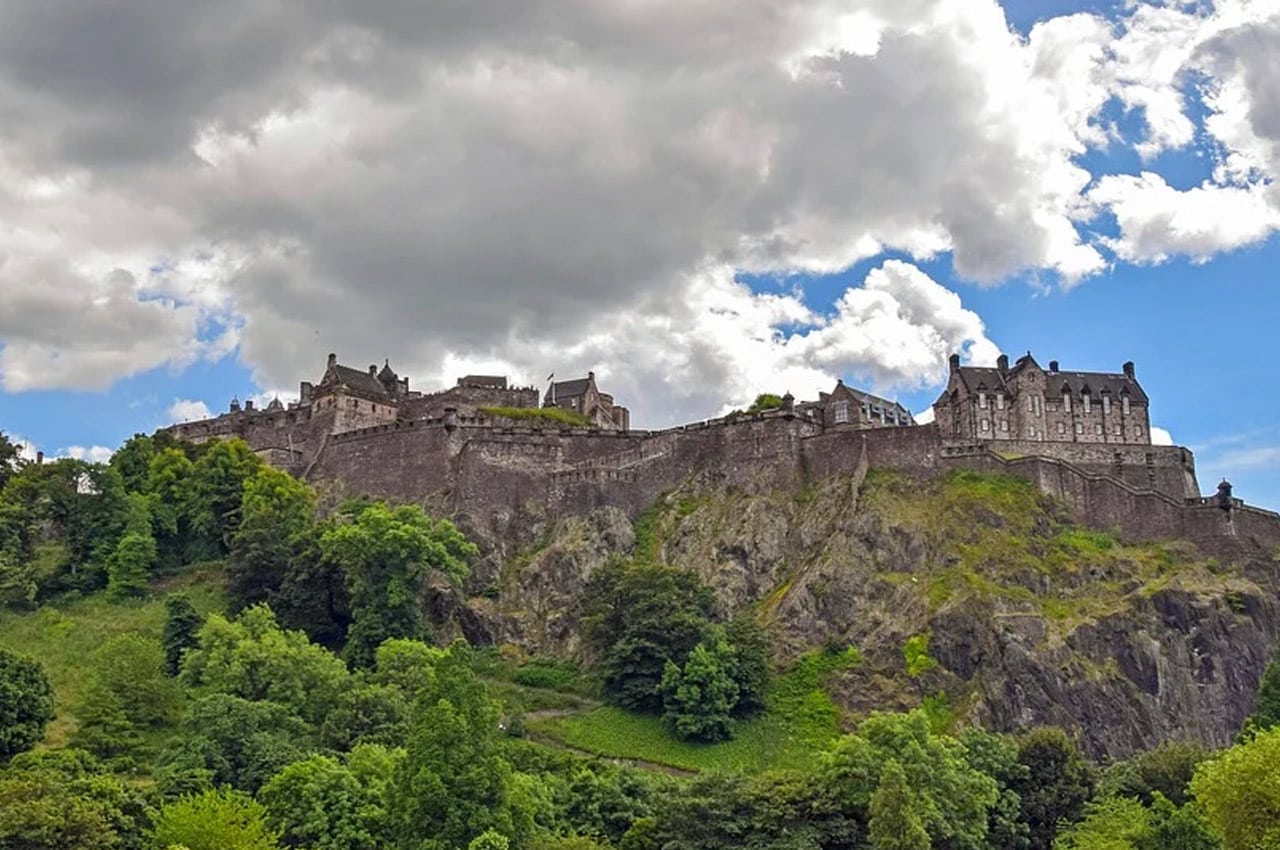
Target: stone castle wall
x,y
474,467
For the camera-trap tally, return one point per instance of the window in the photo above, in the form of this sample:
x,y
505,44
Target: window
x,y
1124,405
986,425
1062,427
999,401
1088,402
1079,428
1066,403
1097,429
1115,429
842,412
1137,431
982,400
1004,426
1106,404
1031,432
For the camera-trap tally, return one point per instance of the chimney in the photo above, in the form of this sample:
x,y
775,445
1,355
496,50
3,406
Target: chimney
x,y
248,404
1128,370
1053,366
955,363
373,370
39,458
333,360
1002,363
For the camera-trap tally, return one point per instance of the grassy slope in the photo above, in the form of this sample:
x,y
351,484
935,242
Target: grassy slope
x,y
801,721
63,636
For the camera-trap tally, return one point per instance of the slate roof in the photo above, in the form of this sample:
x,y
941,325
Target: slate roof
x,y
989,379
357,380
561,390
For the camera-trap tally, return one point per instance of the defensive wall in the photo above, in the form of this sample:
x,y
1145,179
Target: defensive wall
x,y
493,470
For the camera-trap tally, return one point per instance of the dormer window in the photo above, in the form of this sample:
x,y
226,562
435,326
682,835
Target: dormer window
x,y
999,401
1124,404
1066,400
1106,404
841,412
982,399
1088,402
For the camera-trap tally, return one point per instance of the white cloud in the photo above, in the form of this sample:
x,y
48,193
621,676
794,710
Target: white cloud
x,y
188,410
1157,221
92,454
1160,437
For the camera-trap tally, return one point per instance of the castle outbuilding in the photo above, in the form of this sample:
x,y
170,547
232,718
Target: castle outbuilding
x,y
845,405
582,396
1026,402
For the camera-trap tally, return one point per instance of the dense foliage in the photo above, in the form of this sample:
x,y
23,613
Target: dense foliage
x,y
312,711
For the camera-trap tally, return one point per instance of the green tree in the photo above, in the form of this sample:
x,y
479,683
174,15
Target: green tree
x,y
893,822
227,740
10,459
699,700
997,757
277,522
170,478
1056,786
953,799
132,462
217,491
453,784
750,667
102,727
409,665
1117,823
253,658
490,839
384,554
215,820
133,668
1266,706
1239,792
61,800
367,713
1178,827
637,617
181,630
319,803
26,703
134,556
1167,769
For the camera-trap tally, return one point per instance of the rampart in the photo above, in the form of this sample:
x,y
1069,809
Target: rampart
x,y
491,472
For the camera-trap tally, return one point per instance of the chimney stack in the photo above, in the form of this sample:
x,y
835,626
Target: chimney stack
x,y
1053,366
1128,370
39,458
954,360
373,370
1002,363
248,404
333,360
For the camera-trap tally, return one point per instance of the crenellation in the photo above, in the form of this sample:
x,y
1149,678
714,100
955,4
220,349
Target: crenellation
x,y
367,432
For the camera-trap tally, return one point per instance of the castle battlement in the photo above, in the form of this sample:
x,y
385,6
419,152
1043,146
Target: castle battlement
x,y
365,432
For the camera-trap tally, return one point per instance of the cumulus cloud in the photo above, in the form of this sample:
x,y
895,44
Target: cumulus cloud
x,y
463,183
1160,436
188,410
552,182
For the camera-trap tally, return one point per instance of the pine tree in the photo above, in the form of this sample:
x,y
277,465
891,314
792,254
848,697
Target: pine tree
x,y
134,556
181,623
104,728
894,823
1266,709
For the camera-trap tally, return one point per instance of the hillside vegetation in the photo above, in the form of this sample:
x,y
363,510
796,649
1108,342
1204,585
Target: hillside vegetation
x,y
194,654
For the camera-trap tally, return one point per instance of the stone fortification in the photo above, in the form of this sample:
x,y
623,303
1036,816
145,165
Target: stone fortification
x,y
365,432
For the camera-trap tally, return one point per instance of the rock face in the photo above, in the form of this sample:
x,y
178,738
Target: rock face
x,y
1029,618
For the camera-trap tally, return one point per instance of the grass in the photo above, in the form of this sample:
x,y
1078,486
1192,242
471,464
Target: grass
x,y
801,721
62,636
541,415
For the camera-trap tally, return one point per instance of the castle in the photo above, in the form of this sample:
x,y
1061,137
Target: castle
x,y
471,449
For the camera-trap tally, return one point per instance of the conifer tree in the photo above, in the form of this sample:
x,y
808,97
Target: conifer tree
x,y
894,822
181,625
130,565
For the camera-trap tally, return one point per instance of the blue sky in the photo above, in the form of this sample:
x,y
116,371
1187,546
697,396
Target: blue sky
x,y
149,282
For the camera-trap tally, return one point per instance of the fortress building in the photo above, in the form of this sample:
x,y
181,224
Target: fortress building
x,y
470,450
1029,403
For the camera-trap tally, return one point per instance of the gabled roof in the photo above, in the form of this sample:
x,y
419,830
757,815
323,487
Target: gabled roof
x,y
387,375
568,389
354,379
1096,383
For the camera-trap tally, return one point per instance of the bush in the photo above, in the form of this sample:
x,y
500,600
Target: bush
x,y
26,703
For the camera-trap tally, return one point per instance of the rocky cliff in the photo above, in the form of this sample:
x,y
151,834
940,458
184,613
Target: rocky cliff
x,y
1016,615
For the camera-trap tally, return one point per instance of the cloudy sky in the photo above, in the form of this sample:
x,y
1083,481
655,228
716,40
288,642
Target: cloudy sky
x,y
699,199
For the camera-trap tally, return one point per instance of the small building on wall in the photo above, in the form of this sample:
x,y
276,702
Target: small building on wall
x,y
845,405
1031,403
581,395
